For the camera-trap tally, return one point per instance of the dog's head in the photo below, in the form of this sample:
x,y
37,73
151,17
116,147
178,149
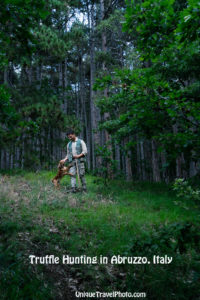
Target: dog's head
x,y
60,166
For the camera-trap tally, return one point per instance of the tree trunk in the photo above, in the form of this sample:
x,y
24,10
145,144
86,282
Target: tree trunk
x,y
139,172
178,159
164,168
128,168
5,76
142,160
65,87
155,164
106,115
94,112
39,75
60,75
193,169
117,157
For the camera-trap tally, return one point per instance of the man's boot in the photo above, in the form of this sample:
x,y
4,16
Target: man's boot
x,y
84,188
73,190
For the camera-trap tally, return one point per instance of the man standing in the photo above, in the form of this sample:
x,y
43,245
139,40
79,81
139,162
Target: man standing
x,y
76,152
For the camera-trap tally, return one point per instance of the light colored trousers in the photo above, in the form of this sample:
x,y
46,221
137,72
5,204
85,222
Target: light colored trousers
x,y
81,169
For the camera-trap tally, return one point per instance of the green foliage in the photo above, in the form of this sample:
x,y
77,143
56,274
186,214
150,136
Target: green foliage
x,y
173,238
153,22
108,164
33,40
10,125
105,57
178,281
188,27
18,18
120,219
161,92
185,191
112,23
136,108
49,40
24,282
7,112
78,35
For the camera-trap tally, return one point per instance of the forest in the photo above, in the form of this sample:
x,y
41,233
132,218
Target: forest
x,y
125,76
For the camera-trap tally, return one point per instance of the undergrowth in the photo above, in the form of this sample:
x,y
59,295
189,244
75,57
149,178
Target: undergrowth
x,y
126,219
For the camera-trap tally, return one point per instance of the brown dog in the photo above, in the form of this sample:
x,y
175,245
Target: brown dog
x,y
62,171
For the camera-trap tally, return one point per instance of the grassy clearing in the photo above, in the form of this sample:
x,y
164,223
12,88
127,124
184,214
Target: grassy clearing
x,y
127,219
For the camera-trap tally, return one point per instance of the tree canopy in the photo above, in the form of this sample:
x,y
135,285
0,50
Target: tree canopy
x,y
124,75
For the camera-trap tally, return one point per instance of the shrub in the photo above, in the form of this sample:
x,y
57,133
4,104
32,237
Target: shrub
x,y
183,189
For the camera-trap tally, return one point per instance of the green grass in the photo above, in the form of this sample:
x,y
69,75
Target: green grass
x,y
125,218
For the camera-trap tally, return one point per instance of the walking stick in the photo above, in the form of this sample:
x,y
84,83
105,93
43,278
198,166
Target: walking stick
x,y
77,170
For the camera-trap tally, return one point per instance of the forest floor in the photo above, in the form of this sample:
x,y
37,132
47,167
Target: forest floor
x,y
130,219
